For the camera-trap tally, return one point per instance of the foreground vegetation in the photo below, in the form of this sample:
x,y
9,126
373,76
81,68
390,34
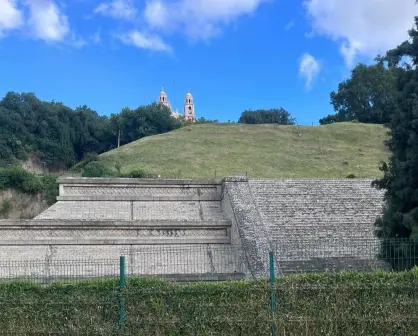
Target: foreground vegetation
x,y
265,151
318,304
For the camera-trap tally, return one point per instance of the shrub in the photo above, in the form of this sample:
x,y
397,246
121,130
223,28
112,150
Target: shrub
x,y
97,169
50,188
5,208
137,173
351,176
19,179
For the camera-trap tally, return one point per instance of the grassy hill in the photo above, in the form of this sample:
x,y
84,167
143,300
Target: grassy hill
x,y
265,151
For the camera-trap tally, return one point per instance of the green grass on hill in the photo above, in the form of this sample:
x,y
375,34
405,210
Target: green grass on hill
x,y
261,151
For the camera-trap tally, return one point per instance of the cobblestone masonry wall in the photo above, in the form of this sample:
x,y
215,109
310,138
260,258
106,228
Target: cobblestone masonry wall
x,y
247,223
319,224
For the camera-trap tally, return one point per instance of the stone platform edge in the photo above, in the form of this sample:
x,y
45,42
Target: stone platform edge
x,y
135,181
103,224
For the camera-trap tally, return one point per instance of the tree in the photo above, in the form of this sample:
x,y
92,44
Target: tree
x,y
272,116
400,180
368,96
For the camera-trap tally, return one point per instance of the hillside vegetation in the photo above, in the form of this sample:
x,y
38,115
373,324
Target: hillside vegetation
x,y
264,151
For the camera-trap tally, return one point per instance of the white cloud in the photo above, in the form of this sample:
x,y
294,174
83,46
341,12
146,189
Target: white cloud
x,y
10,16
309,68
118,9
156,13
46,21
144,41
199,19
362,27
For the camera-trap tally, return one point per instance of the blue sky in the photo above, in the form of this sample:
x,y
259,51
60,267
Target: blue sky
x,y
232,54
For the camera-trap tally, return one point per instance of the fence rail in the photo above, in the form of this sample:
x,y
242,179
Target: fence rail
x,y
214,262
344,254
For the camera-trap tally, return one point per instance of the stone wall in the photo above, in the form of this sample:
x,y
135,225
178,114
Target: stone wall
x,y
247,227
47,263
169,228
207,229
311,224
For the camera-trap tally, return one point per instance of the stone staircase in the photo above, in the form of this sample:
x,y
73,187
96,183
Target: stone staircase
x,y
320,224
174,229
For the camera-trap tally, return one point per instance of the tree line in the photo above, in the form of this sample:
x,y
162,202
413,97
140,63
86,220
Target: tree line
x,y
61,135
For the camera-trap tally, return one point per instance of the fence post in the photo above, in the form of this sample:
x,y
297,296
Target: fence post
x,y
272,293
121,294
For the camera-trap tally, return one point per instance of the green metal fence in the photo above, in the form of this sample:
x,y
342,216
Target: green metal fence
x,y
108,299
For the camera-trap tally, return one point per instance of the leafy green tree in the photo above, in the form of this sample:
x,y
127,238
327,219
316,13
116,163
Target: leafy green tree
x,y
368,96
61,136
400,181
143,121
272,116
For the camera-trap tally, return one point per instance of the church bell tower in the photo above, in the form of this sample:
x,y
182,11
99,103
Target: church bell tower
x,y
189,113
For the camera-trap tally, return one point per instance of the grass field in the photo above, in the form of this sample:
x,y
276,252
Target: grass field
x,y
262,151
343,304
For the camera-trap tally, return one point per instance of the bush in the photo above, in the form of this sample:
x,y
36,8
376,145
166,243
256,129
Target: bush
x,y
97,169
137,173
351,176
5,208
19,179
50,188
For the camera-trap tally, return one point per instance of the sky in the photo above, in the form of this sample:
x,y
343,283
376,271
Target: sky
x,y
233,55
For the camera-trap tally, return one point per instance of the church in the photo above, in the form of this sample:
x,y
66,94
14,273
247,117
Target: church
x,y
188,111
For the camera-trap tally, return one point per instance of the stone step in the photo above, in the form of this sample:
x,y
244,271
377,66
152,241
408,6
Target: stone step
x,y
134,210
109,240
70,232
116,224
213,196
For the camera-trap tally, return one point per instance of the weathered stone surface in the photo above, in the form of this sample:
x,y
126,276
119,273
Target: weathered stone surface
x,y
49,262
248,223
319,219
310,224
137,191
